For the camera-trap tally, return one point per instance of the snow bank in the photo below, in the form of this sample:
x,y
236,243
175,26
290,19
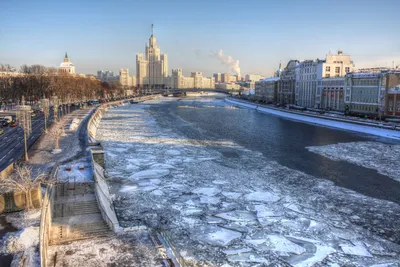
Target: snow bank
x,y
74,124
324,122
75,174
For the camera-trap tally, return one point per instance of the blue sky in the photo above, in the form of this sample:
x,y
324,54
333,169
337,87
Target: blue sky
x,y
260,34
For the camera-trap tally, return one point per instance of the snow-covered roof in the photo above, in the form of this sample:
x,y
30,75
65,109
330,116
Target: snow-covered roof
x,y
366,74
66,65
395,90
272,79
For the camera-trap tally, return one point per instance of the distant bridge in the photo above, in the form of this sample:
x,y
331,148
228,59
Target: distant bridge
x,y
194,90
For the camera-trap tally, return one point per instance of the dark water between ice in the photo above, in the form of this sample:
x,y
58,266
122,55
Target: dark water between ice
x,y
279,139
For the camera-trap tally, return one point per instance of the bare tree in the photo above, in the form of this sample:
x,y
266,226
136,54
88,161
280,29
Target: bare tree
x,y
24,180
56,131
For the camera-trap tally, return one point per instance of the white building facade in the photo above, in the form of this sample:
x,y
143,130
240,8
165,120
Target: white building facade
x,y
66,66
309,75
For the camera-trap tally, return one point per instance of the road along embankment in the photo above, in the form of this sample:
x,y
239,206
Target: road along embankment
x,y
316,120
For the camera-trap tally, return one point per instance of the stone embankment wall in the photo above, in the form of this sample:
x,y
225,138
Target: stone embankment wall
x,y
45,220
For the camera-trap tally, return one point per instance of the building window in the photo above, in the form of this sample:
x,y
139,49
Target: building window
x,y
327,68
327,75
337,69
347,69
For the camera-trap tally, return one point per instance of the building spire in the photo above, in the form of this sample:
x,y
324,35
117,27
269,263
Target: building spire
x,y
66,55
152,29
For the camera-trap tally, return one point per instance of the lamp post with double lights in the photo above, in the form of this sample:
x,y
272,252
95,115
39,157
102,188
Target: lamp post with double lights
x,y
55,101
45,105
24,120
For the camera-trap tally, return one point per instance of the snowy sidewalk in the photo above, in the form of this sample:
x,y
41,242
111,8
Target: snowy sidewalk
x,y
40,154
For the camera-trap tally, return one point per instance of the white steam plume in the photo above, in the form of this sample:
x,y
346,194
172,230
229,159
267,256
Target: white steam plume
x,y
233,65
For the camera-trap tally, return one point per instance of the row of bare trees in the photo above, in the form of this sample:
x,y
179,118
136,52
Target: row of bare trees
x,y
36,82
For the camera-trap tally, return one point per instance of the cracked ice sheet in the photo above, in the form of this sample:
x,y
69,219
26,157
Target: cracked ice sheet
x,y
374,155
268,195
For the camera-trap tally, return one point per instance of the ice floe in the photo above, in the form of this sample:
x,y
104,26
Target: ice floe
x,y
374,155
215,235
262,197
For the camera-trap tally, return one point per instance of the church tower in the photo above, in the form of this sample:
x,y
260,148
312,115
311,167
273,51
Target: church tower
x,y
66,66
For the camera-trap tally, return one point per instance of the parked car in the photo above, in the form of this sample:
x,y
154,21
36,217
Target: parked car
x,y
33,114
1,131
13,124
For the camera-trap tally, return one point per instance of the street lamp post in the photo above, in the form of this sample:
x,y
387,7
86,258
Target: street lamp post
x,y
24,119
69,103
45,104
54,100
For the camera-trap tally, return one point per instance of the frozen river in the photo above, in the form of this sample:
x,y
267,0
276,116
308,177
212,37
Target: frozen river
x,y
234,187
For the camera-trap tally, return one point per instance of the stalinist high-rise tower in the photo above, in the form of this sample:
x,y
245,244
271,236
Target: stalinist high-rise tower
x,y
152,70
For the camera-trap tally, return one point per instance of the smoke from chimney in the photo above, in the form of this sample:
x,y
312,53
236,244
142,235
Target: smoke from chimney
x,y
232,65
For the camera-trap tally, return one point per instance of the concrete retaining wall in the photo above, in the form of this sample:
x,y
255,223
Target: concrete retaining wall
x,y
45,220
7,171
16,201
104,198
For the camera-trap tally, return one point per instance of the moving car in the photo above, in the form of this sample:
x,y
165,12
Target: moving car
x,y
1,131
13,124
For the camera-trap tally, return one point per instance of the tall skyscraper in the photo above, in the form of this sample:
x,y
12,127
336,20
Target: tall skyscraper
x,y
152,69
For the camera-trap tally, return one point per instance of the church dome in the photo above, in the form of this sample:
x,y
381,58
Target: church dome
x,y
66,65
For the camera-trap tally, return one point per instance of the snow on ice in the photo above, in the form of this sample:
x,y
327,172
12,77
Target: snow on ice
x,y
374,155
220,212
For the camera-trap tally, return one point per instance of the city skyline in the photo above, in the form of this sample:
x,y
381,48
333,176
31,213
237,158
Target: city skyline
x,y
259,38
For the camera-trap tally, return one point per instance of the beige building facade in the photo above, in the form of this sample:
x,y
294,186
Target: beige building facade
x,y
151,69
125,79
196,80
253,77
332,97
266,90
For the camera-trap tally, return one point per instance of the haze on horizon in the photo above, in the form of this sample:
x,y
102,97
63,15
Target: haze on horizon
x,y
260,34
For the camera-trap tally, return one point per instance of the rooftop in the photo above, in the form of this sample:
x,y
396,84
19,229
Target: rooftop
x,y
272,79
